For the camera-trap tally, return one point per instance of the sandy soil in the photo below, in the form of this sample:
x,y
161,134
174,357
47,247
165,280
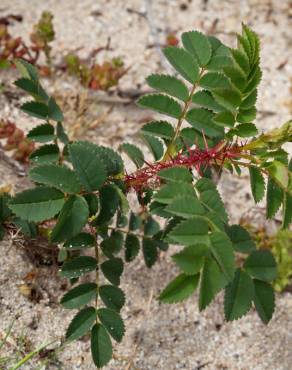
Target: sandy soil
x,y
168,337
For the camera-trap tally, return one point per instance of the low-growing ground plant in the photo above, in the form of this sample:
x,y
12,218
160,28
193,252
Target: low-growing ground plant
x,y
15,141
91,74
80,192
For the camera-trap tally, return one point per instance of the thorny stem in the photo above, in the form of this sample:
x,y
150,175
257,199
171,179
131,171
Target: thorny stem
x,y
196,158
183,115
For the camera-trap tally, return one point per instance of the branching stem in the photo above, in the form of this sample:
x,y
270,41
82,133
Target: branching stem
x,y
183,116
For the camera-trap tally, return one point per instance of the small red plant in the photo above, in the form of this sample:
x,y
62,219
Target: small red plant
x,y
16,141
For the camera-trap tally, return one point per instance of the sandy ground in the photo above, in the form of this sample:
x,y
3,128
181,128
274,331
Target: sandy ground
x,y
168,337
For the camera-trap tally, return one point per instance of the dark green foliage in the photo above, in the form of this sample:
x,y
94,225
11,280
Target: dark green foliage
x,y
112,270
180,288
112,296
101,346
79,296
71,220
81,323
78,267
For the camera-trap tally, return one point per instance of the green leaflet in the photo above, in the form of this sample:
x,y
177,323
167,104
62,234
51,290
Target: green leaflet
x,y
212,281
33,88
79,296
238,296
236,76
168,192
202,120
198,45
180,288
5,211
205,99
45,154
250,101
212,201
264,300
42,133
109,204
279,173
149,251
113,244
274,198
78,266
80,241
190,260
162,129
36,109
113,323
151,226
61,134
241,60
60,177
73,217
155,145
244,130
26,69
246,115
261,265
169,85
101,346
81,323
257,183
38,204
190,232
177,174
185,206
89,168
161,104
112,296
214,80
222,251
225,119
134,153
183,63
229,98
241,239
112,270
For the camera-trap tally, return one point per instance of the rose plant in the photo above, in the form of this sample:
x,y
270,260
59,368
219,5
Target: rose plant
x,y
80,191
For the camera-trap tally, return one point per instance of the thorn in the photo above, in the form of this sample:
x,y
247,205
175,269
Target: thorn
x,y
205,140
